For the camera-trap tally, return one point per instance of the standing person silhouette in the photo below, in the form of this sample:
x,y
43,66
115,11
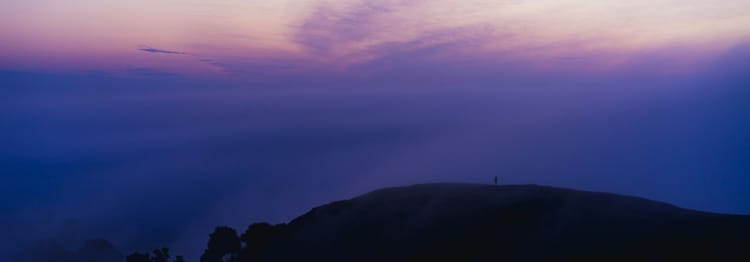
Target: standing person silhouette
x,y
495,180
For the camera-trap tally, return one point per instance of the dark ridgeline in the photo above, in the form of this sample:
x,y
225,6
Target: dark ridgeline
x,y
458,222
454,222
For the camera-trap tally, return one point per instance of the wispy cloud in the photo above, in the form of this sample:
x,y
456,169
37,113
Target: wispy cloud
x,y
357,37
160,51
329,27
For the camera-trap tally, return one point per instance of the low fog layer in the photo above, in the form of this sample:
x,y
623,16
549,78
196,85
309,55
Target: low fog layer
x,y
159,160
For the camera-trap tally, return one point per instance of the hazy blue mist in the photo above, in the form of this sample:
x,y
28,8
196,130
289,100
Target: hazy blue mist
x,y
161,159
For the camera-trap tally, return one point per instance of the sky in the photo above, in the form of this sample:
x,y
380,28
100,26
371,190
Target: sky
x,y
312,38
150,122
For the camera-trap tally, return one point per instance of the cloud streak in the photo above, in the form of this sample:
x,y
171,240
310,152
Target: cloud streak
x,y
160,51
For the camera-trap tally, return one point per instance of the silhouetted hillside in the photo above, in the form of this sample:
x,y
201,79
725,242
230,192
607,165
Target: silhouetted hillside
x,y
457,222
460,222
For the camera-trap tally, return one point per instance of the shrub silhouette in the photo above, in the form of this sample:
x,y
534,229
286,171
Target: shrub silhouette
x,y
222,242
160,255
138,257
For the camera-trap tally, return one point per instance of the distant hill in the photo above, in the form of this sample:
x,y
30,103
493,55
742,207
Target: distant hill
x,y
461,222
93,250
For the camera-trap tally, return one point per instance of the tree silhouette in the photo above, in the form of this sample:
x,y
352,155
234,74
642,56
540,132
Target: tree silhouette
x,y
160,255
222,242
138,257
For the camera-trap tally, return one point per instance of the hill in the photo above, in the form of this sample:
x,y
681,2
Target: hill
x,y
461,222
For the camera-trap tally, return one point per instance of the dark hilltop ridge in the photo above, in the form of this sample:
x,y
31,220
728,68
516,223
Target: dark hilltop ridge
x,y
467,222
462,222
